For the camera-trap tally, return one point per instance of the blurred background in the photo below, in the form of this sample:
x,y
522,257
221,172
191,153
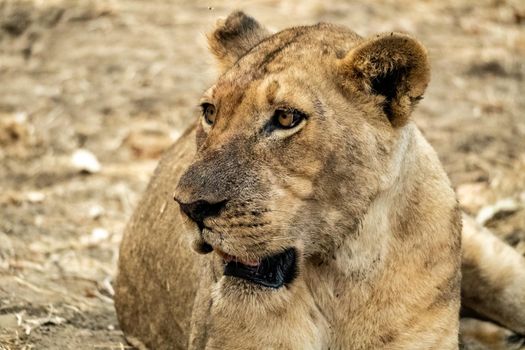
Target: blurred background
x,y
93,91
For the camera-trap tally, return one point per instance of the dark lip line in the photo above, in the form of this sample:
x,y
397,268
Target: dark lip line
x,y
274,271
221,251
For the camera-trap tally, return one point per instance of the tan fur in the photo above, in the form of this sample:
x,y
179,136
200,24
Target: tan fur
x,y
493,277
355,189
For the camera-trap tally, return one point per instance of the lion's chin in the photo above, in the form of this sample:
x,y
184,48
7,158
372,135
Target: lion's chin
x,y
272,271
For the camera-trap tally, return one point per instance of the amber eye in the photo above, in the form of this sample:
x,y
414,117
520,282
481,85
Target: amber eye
x,y
288,118
208,112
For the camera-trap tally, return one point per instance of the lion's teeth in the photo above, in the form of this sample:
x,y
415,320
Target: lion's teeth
x,y
252,263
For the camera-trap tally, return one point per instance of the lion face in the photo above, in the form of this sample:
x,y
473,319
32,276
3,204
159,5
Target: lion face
x,y
295,140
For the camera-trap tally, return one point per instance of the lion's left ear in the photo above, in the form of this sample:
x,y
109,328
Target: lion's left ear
x,y
393,66
234,37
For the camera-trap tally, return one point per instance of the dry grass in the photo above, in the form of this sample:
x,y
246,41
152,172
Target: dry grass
x,y
121,79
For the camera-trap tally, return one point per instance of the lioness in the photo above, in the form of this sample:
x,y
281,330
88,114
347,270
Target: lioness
x,y
332,222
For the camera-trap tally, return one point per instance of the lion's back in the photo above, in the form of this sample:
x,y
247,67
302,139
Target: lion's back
x,y
157,278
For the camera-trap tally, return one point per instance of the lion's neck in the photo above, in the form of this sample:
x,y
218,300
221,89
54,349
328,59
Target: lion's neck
x,y
364,253
402,248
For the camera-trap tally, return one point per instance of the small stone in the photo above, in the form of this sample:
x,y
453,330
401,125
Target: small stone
x,y
85,161
96,211
97,235
39,220
35,197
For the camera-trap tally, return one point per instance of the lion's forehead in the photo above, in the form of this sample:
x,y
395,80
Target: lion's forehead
x,y
293,47
286,55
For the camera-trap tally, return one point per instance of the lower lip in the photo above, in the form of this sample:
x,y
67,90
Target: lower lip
x,y
273,272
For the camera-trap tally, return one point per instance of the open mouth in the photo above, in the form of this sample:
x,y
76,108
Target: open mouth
x,y
273,271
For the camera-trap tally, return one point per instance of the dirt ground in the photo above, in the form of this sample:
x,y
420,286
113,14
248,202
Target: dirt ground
x,y
91,92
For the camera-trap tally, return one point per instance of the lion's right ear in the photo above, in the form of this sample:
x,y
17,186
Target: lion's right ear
x,y
234,37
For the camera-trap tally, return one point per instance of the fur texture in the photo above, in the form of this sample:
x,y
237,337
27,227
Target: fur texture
x,y
354,188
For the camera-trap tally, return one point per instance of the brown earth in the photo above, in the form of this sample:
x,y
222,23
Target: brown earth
x,y
122,79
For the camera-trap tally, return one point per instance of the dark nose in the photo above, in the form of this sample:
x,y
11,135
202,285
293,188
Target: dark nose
x,y
201,209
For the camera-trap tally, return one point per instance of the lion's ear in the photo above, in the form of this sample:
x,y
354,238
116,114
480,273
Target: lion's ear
x,y
234,37
393,66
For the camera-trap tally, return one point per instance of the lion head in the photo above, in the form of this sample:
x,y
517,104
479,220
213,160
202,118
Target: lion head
x,y
295,140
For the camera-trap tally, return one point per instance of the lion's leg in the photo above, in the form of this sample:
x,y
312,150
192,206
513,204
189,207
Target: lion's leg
x,y
482,335
493,277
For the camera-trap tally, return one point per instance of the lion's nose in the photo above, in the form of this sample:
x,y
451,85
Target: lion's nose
x,y
201,209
